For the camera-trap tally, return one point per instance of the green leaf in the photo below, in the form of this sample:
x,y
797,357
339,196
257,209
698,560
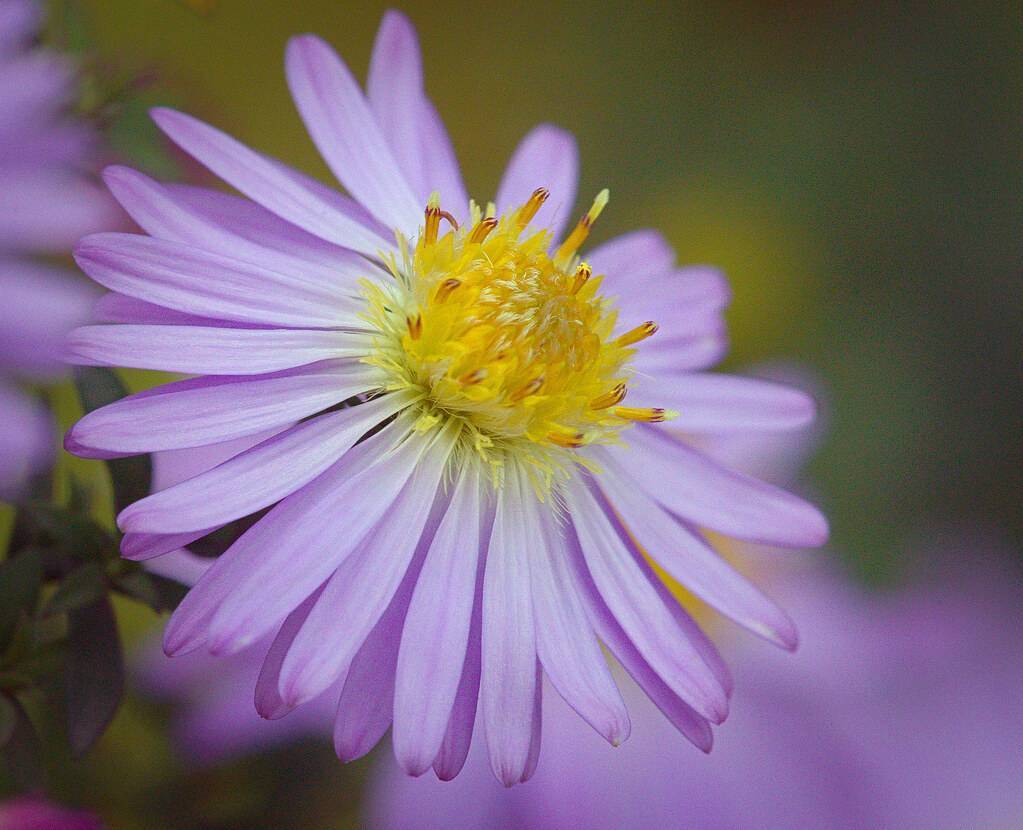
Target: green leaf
x,y
83,586
22,753
21,577
131,477
93,673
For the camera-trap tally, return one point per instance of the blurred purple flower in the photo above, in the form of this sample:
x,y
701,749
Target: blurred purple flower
x,y
31,813
45,207
900,711
453,536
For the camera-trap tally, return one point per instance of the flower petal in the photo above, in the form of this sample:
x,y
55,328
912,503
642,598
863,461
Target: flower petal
x,y
692,486
716,403
259,476
348,137
565,642
364,584
546,157
640,611
458,738
199,282
233,227
436,632
269,703
682,716
208,410
408,120
632,256
142,546
199,350
302,538
324,213
508,679
691,561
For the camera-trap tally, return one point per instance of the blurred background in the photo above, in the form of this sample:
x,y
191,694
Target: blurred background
x,y
854,168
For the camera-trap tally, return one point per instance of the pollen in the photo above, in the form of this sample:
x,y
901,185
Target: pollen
x,y
487,327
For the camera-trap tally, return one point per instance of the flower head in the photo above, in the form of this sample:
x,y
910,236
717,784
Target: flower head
x,y
461,501
45,206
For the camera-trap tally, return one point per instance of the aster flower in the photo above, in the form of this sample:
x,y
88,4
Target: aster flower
x,y
474,454
45,206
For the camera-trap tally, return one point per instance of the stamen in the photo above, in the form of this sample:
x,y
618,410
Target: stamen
x,y
445,288
641,332
568,440
582,275
483,229
530,388
530,208
582,229
615,396
451,219
473,377
651,415
433,214
415,326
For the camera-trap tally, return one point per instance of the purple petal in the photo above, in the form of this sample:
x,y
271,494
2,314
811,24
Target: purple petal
x,y
640,611
364,584
348,137
288,553
723,403
48,210
407,119
546,157
691,561
436,632
180,565
454,749
199,282
259,476
682,716
233,227
41,305
208,410
198,350
692,486
508,679
269,703
536,727
565,642
632,256
26,440
314,209
142,546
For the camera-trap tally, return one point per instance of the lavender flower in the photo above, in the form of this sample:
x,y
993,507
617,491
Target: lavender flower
x,y
476,513
900,711
45,207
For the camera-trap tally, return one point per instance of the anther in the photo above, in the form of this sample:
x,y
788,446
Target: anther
x,y
530,388
445,288
433,214
582,275
582,228
647,415
615,396
415,326
473,377
568,440
483,229
530,208
641,332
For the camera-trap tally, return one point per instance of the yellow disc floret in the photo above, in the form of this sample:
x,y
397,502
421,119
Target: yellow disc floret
x,y
488,328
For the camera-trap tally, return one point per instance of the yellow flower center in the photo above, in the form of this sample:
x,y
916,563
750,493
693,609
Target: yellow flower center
x,y
488,328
